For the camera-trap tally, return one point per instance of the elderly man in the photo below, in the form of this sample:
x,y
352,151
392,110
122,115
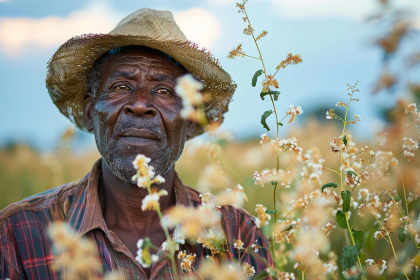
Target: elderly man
x,y
120,86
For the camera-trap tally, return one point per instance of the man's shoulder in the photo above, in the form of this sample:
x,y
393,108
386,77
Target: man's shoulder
x,y
41,201
193,194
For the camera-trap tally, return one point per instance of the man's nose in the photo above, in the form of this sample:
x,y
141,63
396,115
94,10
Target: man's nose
x,y
140,107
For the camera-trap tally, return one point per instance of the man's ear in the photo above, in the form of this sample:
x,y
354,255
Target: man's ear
x,y
191,127
88,112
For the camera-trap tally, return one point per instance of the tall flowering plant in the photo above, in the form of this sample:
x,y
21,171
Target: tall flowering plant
x,y
316,197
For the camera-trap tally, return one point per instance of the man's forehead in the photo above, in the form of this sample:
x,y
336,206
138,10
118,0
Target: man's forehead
x,y
137,60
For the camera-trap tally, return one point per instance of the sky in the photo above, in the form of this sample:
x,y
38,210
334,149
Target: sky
x,y
332,36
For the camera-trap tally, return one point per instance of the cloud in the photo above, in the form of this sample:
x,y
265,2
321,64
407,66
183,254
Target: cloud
x,y
20,35
199,25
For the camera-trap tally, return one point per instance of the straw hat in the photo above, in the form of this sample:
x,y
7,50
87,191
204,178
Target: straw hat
x,y
69,68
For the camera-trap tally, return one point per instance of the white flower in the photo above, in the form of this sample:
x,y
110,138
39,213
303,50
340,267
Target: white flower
x,y
263,217
143,255
141,161
380,263
383,267
411,108
249,30
140,243
189,90
330,114
294,110
255,246
144,175
205,197
167,248
151,201
337,145
238,244
159,179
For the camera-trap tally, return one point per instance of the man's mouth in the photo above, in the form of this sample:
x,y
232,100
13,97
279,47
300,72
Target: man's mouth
x,y
137,135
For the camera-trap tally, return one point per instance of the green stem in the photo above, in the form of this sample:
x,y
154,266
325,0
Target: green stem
x,y
168,237
276,264
341,179
392,245
247,18
405,196
277,136
275,112
354,244
250,56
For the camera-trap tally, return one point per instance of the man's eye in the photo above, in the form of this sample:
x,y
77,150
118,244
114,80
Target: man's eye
x,y
163,91
122,87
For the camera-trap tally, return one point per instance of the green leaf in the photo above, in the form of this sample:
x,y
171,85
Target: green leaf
x,y
396,198
341,219
370,239
345,140
280,124
264,117
275,93
270,211
350,256
351,173
328,185
261,275
262,94
255,78
147,243
289,228
273,183
346,196
221,142
401,235
359,238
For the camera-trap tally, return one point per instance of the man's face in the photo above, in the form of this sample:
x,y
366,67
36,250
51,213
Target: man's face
x,y
136,111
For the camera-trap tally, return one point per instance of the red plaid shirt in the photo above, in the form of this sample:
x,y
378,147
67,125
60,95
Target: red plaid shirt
x,y
25,249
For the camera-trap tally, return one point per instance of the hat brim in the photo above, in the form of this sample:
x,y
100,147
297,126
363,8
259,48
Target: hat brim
x,y
69,68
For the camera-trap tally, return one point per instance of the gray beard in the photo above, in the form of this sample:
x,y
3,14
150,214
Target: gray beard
x,y
123,168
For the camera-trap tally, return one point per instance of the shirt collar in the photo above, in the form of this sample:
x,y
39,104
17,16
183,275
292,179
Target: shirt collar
x,y
85,213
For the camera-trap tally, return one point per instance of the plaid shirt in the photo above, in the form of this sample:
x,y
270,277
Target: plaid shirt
x,y
25,249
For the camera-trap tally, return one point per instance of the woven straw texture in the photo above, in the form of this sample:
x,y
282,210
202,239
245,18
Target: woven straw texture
x,y
69,68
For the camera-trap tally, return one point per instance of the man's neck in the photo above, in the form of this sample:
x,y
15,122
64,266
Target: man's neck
x,y
121,203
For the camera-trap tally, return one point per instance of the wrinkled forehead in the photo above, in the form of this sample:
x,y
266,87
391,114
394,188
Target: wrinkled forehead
x,y
142,57
136,61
